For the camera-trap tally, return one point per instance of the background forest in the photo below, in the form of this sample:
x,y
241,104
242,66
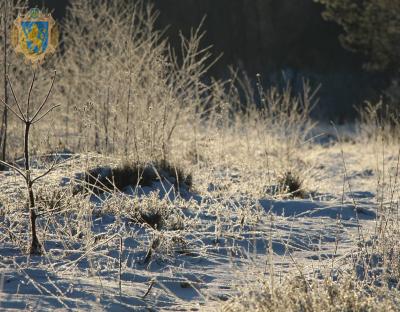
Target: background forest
x,y
272,38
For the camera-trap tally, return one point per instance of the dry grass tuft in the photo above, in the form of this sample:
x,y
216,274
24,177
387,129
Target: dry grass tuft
x,y
106,179
159,214
290,184
326,295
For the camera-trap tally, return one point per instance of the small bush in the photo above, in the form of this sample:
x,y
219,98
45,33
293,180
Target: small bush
x,y
133,175
290,183
51,199
153,218
106,179
158,213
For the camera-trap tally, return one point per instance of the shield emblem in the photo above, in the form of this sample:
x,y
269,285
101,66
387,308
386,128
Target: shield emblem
x,y
35,35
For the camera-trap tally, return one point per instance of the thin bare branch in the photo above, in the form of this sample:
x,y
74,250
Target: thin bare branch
x,y
13,168
46,98
13,111
52,167
44,115
29,94
15,98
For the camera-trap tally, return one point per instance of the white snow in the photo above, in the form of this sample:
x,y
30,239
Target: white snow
x,y
225,242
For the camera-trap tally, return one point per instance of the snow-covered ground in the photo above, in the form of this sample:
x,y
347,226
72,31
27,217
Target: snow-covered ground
x,y
214,239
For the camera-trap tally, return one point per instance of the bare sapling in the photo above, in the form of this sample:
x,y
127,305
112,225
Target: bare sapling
x,y
29,119
4,124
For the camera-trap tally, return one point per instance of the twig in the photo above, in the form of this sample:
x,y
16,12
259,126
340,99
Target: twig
x,y
13,167
13,111
72,263
44,115
46,98
15,97
53,166
29,94
152,282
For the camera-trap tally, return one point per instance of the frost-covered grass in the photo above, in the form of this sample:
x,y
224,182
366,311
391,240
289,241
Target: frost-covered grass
x,y
231,237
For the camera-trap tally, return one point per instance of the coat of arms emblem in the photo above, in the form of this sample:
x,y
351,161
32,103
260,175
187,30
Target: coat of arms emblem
x,y
35,35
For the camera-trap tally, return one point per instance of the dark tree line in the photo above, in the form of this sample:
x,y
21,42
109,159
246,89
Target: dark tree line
x,y
268,36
